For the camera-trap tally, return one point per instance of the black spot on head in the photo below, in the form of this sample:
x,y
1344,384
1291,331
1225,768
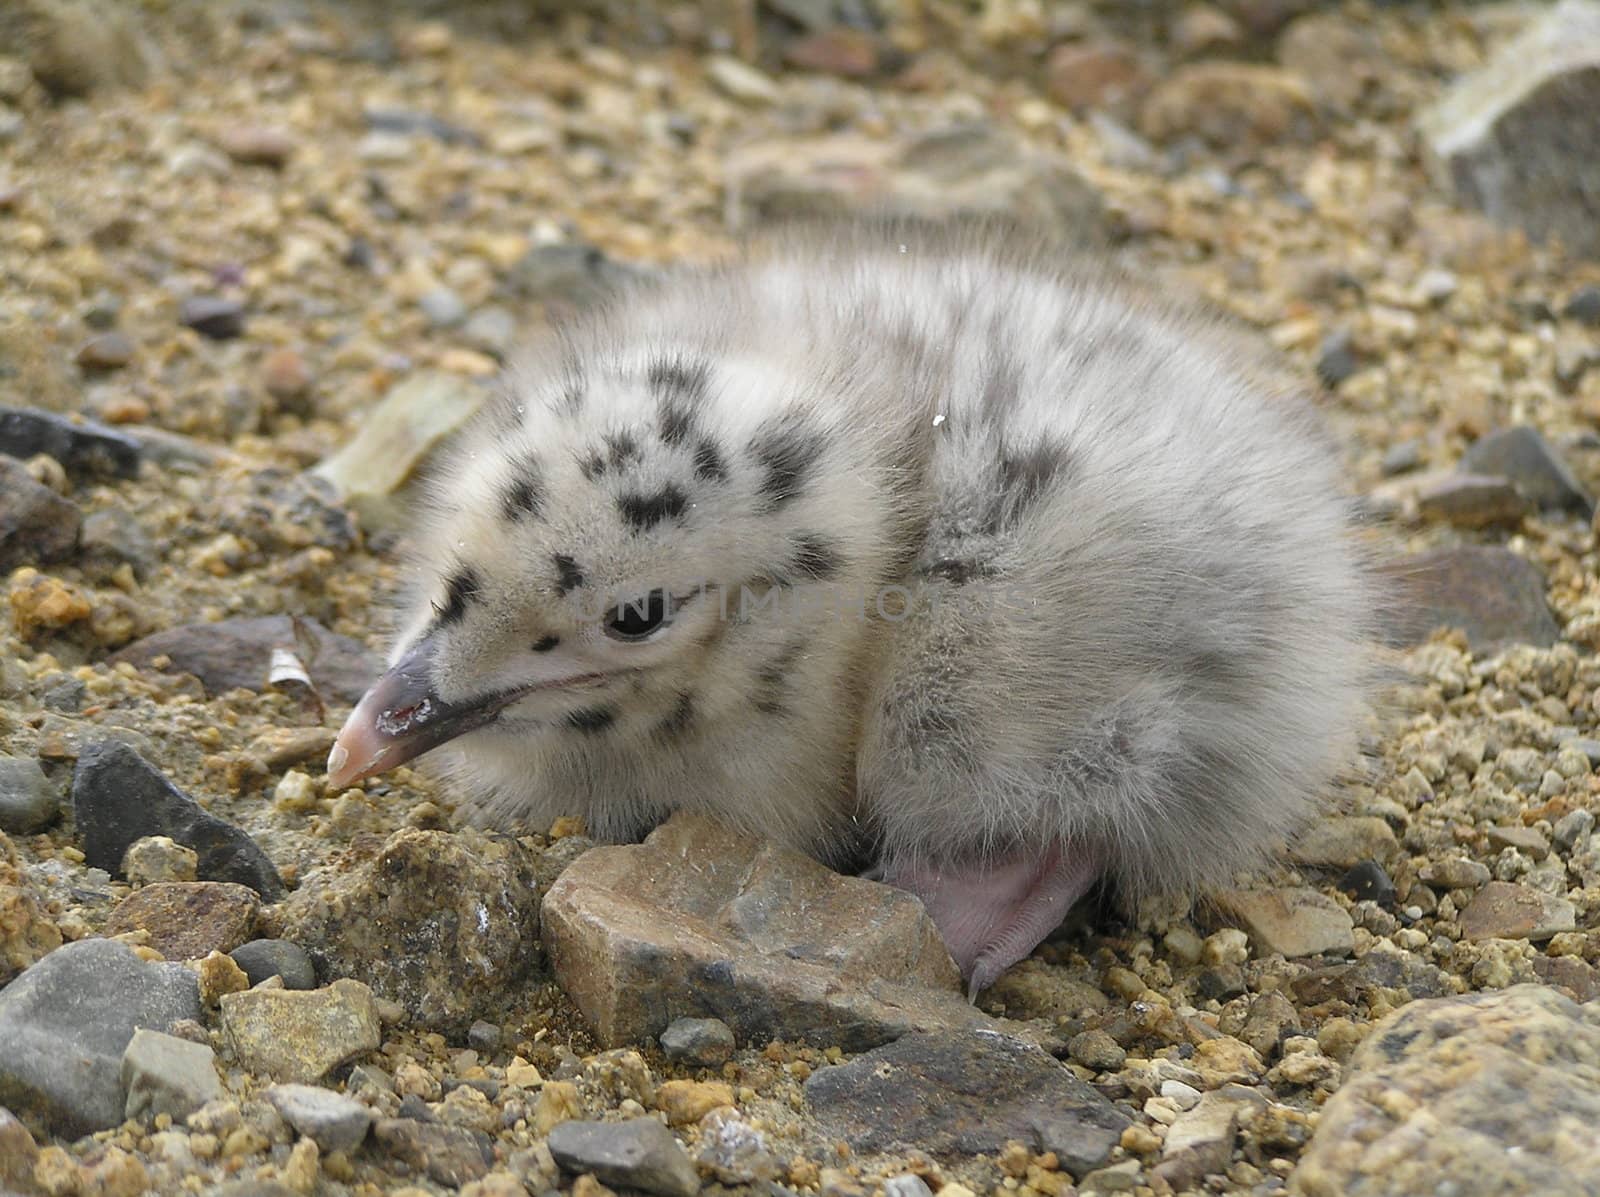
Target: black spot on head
x,y
593,465
708,463
679,378
622,449
592,720
787,451
461,589
545,643
572,396
524,497
958,571
678,719
677,423
816,557
568,576
1024,476
643,512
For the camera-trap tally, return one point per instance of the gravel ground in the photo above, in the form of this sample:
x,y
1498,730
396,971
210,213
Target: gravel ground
x,y
229,232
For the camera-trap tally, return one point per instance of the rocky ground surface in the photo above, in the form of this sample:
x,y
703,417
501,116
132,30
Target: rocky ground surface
x,y
234,235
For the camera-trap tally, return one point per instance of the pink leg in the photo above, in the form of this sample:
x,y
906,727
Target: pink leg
x,y
993,913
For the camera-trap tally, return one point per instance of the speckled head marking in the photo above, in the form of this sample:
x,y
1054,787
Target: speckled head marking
x,y
789,452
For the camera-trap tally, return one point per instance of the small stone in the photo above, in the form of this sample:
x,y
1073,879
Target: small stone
x,y
1503,137
1099,74
739,81
1201,29
736,1153
443,307
1454,873
1229,105
18,1152
568,277
155,858
704,1042
637,1154
1367,881
908,1184
1584,305
492,329
167,1075
484,1038
43,603
1401,458
108,351
1227,946
81,1005
37,526
213,316
1336,358
237,654
965,1092
118,797
1496,597
1527,840
523,1075
1448,1095
256,145
686,1102
1472,501
1097,1050
28,802
1200,1141
1525,458
1502,910
1342,841
84,448
839,50
1572,829
333,1121
285,375
300,1036
219,975
448,1155
1292,921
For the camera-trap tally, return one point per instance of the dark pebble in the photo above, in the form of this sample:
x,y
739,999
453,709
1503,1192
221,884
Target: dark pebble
x,y
483,1036
263,958
119,797
37,525
1336,358
638,1154
1221,983
82,447
1367,882
212,316
1522,456
706,1042
1584,305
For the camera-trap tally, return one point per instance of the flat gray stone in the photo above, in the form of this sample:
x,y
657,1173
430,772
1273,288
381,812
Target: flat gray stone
x,y
1523,457
965,1093
167,1075
65,1023
28,802
37,526
637,1154
335,1122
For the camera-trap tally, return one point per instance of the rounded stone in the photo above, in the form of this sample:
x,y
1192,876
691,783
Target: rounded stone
x,y
264,958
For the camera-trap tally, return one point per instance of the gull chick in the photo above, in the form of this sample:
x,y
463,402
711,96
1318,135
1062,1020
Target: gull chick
x,y
895,544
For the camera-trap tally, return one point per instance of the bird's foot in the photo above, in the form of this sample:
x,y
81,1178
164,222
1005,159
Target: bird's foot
x,y
993,912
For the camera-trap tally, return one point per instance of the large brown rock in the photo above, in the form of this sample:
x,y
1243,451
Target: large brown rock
x,y
1494,596
188,919
701,922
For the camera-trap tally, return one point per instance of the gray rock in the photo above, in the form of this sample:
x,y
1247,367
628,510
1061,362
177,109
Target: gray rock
x,y
167,1075
263,958
118,797
113,536
1516,138
701,922
1200,1141
483,1036
1488,1095
1584,305
1336,358
37,526
443,307
965,1093
492,329
65,1023
237,654
84,448
1526,459
28,802
218,318
334,1121
706,1042
108,351
637,1154
1496,597
450,1155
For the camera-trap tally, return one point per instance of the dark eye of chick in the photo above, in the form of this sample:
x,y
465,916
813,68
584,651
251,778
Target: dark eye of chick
x,y
639,619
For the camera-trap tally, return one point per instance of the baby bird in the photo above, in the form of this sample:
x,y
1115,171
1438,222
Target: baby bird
x,y
896,540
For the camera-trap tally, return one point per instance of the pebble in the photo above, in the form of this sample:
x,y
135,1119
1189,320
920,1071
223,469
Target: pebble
x,y
28,802
1496,597
286,375
406,120
82,1003
37,526
118,797
492,329
1472,501
448,1155
333,1121
167,1075
637,1154
215,317
1401,458
263,958
1503,910
741,82
440,923
1343,841
1096,74
154,858
1452,1094
18,1153
1336,358
27,932
1502,137
702,1042
1522,456
188,919
443,307
1583,305
257,145
108,351
1368,881
573,276
84,448
484,1037
237,654
1230,105
907,1184
686,1102
1293,921
1454,872
734,1152
219,975
1200,1140
965,1092
301,1036
635,931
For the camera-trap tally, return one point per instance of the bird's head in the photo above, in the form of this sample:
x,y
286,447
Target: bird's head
x,y
596,538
